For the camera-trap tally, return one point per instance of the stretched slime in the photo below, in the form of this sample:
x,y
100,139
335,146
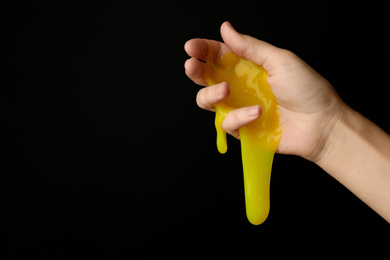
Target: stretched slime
x,y
259,139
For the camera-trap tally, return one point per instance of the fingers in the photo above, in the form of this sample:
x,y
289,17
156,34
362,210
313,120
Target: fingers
x,y
248,47
209,50
206,50
211,95
194,70
243,45
239,117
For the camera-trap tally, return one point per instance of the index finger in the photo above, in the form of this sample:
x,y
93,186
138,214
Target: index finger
x,y
205,50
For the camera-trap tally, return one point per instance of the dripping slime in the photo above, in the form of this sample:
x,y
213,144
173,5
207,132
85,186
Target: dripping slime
x,y
248,86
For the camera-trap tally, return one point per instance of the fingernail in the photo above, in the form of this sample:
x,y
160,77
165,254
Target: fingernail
x,y
253,111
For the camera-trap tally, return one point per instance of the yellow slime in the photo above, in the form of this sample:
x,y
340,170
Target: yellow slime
x,y
259,139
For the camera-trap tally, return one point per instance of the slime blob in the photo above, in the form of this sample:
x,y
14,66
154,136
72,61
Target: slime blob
x,y
259,139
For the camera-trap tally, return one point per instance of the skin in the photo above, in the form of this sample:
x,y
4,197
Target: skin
x,y
318,125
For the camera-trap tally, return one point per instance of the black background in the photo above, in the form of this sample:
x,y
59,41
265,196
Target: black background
x,y
106,153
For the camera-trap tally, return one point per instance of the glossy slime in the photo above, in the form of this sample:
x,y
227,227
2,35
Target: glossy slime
x,y
259,139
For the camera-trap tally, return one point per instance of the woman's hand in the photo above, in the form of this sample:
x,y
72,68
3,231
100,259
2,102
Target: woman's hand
x,y
318,125
309,106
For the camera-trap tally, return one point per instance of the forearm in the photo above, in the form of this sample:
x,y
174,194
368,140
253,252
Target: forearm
x,y
357,154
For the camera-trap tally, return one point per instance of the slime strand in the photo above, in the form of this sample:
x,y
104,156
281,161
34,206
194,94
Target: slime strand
x,y
259,139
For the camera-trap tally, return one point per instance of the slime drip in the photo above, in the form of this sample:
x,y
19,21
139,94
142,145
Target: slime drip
x,y
259,139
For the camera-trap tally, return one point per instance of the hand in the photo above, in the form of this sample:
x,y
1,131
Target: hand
x,y
309,106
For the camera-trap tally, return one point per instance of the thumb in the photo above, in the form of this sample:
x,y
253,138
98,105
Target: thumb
x,y
248,47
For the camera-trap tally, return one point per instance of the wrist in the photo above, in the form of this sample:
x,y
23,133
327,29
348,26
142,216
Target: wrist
x,y
356,153
333,134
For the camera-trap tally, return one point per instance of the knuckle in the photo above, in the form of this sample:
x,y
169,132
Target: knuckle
x,y
230,122
237,116
203,100
287,54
